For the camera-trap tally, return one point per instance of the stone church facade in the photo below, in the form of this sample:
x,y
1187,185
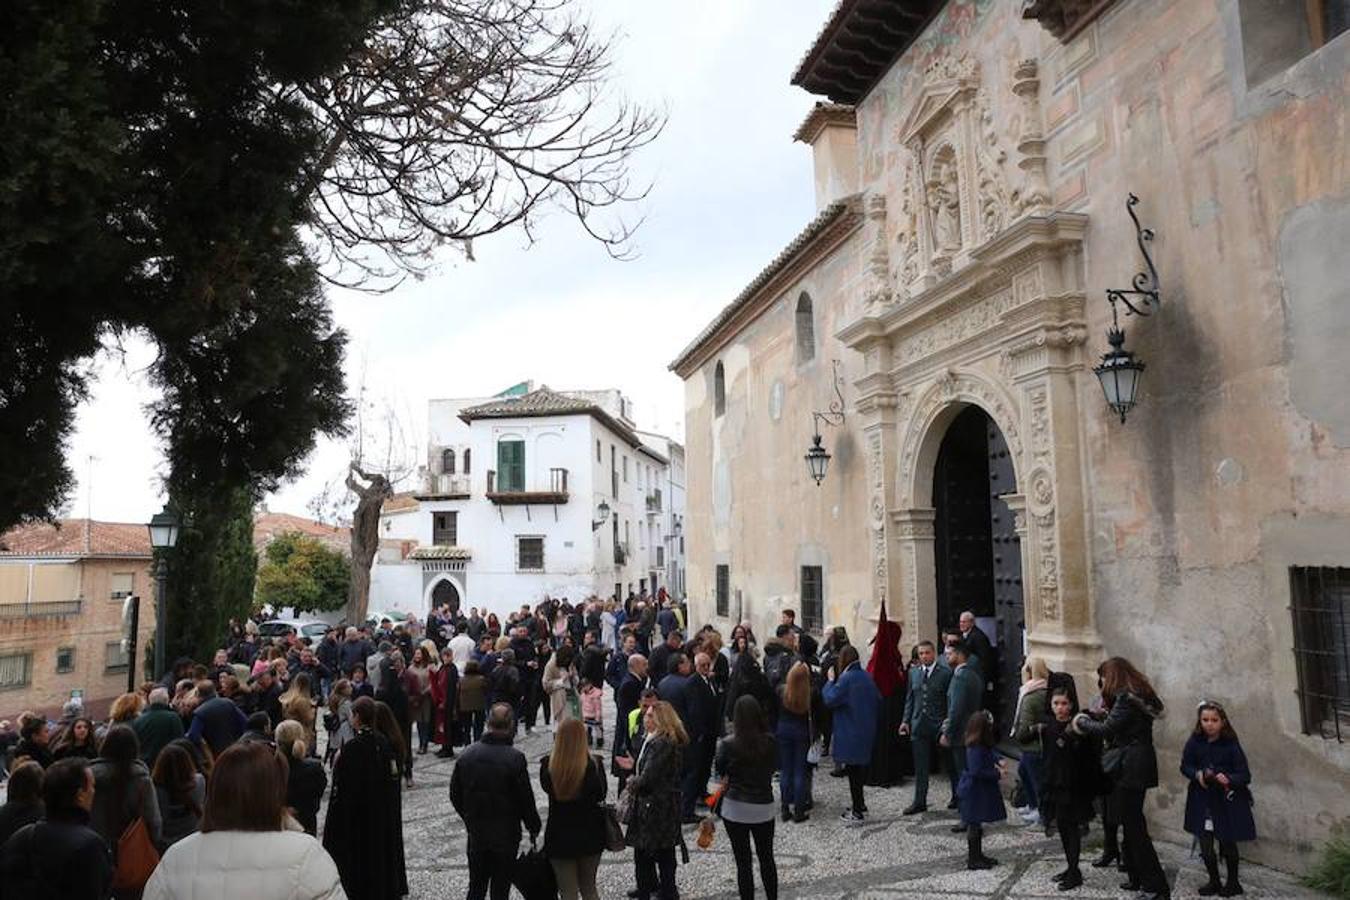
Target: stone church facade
x,y
972,164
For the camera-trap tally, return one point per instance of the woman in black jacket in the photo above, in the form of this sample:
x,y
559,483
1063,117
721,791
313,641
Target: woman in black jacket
x,y
747,679
746,761
574,837
654,821
305,779
1132,764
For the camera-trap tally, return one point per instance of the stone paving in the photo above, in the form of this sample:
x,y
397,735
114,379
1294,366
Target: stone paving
x,y
892,858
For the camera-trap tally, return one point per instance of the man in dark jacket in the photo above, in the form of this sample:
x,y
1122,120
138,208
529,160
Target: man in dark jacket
x,y
963,699
660,658
617,667
216,720
627,697
318,673
60,857
666,620
327,654
490,789
156,726
505,680
925,708
680,691
266,696
352,652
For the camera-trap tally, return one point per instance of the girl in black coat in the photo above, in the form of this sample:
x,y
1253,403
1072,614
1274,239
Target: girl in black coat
x,y
1131,762
1218,798
1070,778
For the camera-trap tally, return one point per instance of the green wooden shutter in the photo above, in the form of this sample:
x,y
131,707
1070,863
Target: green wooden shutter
x,y
511,465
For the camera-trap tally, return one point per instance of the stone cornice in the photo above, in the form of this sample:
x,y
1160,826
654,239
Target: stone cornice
x,y
1019,245
822,116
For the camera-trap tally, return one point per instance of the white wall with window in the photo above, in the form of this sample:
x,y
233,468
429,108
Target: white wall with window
x,y
525,523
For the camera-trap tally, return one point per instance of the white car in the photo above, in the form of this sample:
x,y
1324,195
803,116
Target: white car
x,y
376,616
305,628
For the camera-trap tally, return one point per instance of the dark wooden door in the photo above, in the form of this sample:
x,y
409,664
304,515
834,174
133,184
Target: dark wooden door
x,y
964,565
1006,551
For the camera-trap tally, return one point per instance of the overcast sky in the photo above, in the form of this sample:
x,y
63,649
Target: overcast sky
x,y
731,188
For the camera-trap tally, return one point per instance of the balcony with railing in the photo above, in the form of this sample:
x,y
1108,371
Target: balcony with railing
x,y
41,610
514,493
620,555
654,502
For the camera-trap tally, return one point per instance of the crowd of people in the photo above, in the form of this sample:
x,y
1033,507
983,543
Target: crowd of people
x,y
218,772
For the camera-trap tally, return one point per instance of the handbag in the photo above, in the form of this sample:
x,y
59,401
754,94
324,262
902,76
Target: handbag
x,y
136,855
813,753
1113,760
614,841
623,809
533,876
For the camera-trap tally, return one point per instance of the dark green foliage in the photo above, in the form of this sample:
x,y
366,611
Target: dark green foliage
x,y
210,572
1332,872
301,572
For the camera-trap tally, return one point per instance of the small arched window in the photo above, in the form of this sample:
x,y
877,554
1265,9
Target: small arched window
x,y
719,390
806,329
466,461
447,462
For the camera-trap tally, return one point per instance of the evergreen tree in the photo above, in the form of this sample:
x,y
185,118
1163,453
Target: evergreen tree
x,y
301,573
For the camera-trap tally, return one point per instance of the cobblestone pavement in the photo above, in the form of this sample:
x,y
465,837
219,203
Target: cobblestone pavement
x,y
892,857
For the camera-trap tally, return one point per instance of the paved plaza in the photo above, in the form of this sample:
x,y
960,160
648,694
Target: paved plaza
x,y
892,857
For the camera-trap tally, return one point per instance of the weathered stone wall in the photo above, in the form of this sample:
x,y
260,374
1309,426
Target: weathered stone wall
x,y
752,505
1236,463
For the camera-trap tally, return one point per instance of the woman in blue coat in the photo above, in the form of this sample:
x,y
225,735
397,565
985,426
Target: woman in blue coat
x,y
980,799
1219,797
853,700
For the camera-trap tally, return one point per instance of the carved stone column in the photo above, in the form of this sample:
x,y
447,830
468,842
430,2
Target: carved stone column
x,y
876,408
1031,141
915,534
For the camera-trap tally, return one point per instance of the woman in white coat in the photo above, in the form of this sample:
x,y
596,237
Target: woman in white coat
x,y
248,846
560,683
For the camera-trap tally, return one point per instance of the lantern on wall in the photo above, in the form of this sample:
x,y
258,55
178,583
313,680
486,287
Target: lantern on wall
x,y
1119,372
817,457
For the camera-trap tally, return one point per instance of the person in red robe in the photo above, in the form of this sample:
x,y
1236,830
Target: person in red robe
x,y
891,757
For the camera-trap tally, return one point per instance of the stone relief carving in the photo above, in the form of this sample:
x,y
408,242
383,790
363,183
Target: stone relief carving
x,y
876,477
1041,502
955,386
878,264
956,191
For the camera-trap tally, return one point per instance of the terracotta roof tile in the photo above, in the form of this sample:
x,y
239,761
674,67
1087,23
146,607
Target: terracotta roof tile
x,y
268,525
546,402
441,552
77,537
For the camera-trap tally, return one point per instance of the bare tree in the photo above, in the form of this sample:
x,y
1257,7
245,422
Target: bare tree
x,y
460,118
365,535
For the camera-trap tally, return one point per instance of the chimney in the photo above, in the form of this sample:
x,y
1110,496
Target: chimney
x,y
832,131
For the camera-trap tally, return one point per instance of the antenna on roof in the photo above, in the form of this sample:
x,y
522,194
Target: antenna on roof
x,y
89,503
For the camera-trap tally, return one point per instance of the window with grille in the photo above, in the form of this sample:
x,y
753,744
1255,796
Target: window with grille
x,y
122,585
1321,609
65,660
115,657
16,670
813,598
530,554
445,529
465,468
447,462
511,465
723,590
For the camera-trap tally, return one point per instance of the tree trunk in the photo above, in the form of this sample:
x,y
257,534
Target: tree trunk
x,y
365,538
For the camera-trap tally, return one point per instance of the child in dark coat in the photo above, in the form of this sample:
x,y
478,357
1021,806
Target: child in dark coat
x,y
1219,798
1070,780
980,799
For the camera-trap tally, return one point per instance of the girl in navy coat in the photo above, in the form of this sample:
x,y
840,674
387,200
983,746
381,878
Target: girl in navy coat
x,y
1218,798
980,799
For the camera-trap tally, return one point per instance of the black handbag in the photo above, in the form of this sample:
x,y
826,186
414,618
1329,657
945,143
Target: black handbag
x,y
533,876
614,841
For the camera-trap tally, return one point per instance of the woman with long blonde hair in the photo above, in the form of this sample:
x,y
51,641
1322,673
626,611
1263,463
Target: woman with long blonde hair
x,y
574,837
654,823
298,704
305,777
793,736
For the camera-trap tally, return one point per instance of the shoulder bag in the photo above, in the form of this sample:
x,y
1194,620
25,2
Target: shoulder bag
x,y
136,853
614,841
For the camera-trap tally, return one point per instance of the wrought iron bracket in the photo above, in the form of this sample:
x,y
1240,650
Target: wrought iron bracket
x,y
1142,298
834,413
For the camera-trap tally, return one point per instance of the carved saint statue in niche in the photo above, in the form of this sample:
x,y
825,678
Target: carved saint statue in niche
x,y
944,201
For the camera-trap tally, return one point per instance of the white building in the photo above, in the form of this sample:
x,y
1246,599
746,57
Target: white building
x,y
526,494
666,508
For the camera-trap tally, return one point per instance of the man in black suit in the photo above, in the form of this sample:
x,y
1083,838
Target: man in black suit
x,y
709,715
626,698
660,658
925,708
679,690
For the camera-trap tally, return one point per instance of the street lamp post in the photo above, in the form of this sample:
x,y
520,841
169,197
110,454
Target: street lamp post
x,y
163,527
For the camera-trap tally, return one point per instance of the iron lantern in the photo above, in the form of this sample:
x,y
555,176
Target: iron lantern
x,y
601,514
1119,373
817,459
163,527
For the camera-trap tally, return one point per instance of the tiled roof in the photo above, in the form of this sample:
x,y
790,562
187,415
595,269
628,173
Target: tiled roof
x,y
267,525
399,502
441,552
848,207
821,115
539,402
77,537
545,402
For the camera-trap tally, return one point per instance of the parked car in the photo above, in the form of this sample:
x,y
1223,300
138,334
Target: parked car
x,y
376,616
306,628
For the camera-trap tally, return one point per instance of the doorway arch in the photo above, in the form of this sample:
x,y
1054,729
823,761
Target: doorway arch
x,y
444,590
977,556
